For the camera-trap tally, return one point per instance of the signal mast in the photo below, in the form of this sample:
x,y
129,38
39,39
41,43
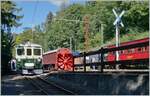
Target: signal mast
x,y
117,24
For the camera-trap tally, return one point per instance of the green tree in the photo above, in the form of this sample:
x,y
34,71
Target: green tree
x,y
63,28
66,24
136,16
24,36
38,33
8,20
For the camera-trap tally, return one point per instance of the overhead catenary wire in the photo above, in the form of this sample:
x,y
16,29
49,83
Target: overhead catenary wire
x,y
33,17
84,22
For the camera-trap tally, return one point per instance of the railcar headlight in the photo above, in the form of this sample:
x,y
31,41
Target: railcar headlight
x,y
39,59
19,60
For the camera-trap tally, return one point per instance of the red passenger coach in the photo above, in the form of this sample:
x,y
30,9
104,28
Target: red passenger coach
x,y
130,54
60,59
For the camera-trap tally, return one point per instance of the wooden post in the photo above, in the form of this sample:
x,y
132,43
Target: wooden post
x,y
73,65
102,59
84,61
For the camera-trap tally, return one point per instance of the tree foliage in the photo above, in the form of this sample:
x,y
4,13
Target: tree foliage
x,y
68,26
8,20
101,16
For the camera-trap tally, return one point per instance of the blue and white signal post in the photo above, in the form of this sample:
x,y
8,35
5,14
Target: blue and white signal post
x,y
117,23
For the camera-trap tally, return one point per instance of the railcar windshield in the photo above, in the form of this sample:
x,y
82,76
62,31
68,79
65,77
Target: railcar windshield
x,y
20,51
37,51
29,52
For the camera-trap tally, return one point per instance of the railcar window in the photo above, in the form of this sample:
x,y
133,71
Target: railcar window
x,y
37,51
28,51
20,51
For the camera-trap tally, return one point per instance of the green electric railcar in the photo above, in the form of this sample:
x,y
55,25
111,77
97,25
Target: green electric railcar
x,y
29,58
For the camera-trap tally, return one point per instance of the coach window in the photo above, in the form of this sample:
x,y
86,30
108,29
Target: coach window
x,y
143,49
129,51
139,49
37,51
125,51
121,51
20,51
29,52
133,50
114,52
147,48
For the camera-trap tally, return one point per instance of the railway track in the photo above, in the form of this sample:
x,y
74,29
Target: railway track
x,y
48,88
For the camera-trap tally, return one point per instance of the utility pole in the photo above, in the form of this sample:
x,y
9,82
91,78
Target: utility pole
x,y
70,43
102,34
86,32
32,34
72,39
117,24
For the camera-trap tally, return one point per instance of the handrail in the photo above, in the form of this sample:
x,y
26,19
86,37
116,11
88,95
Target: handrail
x,y
102,51
105,50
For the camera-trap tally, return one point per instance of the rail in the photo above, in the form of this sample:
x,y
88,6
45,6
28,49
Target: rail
x,y
57,86
34,83
44,86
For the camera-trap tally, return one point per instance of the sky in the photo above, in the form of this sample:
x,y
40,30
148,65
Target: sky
x,y
35,11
